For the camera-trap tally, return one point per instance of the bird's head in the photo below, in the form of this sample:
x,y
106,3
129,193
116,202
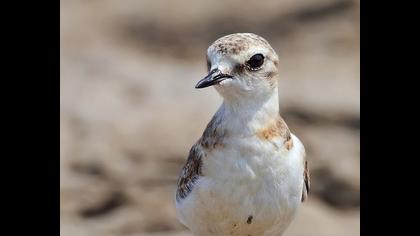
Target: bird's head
x,y
241,65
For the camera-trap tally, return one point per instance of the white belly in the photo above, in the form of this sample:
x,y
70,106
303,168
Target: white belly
x,y
254,189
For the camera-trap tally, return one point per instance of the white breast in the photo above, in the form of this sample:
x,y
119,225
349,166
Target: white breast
x,y
253,188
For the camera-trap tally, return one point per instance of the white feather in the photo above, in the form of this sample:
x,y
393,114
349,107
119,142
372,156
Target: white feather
x,y
248,177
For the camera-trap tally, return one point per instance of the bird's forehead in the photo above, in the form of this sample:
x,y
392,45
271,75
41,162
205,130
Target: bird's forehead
x,y
239,45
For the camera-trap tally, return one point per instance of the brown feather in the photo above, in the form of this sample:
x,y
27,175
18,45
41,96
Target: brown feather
x,y
278,128
190,173
307,182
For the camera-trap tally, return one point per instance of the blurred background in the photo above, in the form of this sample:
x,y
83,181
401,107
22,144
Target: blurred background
x,y
130,113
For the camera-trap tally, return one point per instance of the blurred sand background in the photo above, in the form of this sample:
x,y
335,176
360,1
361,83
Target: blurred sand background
x,y
130,113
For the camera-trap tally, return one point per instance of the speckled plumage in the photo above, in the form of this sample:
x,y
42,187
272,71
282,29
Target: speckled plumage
x,y
236,43
247,173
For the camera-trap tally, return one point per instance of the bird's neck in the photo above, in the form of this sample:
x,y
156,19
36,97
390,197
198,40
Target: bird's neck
x,y
247,116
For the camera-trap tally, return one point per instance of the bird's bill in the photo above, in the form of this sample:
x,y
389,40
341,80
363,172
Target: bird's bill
x,y
214,77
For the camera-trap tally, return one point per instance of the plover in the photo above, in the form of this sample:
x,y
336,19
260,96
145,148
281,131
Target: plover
x,y
247,174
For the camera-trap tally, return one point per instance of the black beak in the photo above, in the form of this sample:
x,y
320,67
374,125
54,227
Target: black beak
x,y
212,78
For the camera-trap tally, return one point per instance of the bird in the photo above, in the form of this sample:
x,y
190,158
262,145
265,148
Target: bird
x,y
247,174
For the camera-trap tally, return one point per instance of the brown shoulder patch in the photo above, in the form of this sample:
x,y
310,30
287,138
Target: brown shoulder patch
x,y
190,172
278,128
269,132
307,182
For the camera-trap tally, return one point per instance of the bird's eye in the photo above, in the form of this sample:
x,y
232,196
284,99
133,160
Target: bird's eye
x,y
255,62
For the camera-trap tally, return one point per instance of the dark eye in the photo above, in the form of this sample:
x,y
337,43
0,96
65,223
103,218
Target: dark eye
x,y
255,62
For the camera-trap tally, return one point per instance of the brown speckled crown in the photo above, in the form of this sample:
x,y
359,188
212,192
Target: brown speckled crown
x,y
235,43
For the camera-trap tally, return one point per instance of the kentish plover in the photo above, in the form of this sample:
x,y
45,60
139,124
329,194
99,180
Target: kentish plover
x,y
247,174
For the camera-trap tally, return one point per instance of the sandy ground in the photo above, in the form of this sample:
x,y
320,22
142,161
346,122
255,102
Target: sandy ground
x,y
130,113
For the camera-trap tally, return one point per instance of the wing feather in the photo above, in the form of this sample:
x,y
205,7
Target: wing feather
x,y
190,173
307,182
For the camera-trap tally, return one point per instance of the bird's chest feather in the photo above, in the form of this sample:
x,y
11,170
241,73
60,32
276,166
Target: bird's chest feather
x,y
246,189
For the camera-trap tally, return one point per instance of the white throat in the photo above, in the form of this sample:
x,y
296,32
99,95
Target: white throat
x,y
246,116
